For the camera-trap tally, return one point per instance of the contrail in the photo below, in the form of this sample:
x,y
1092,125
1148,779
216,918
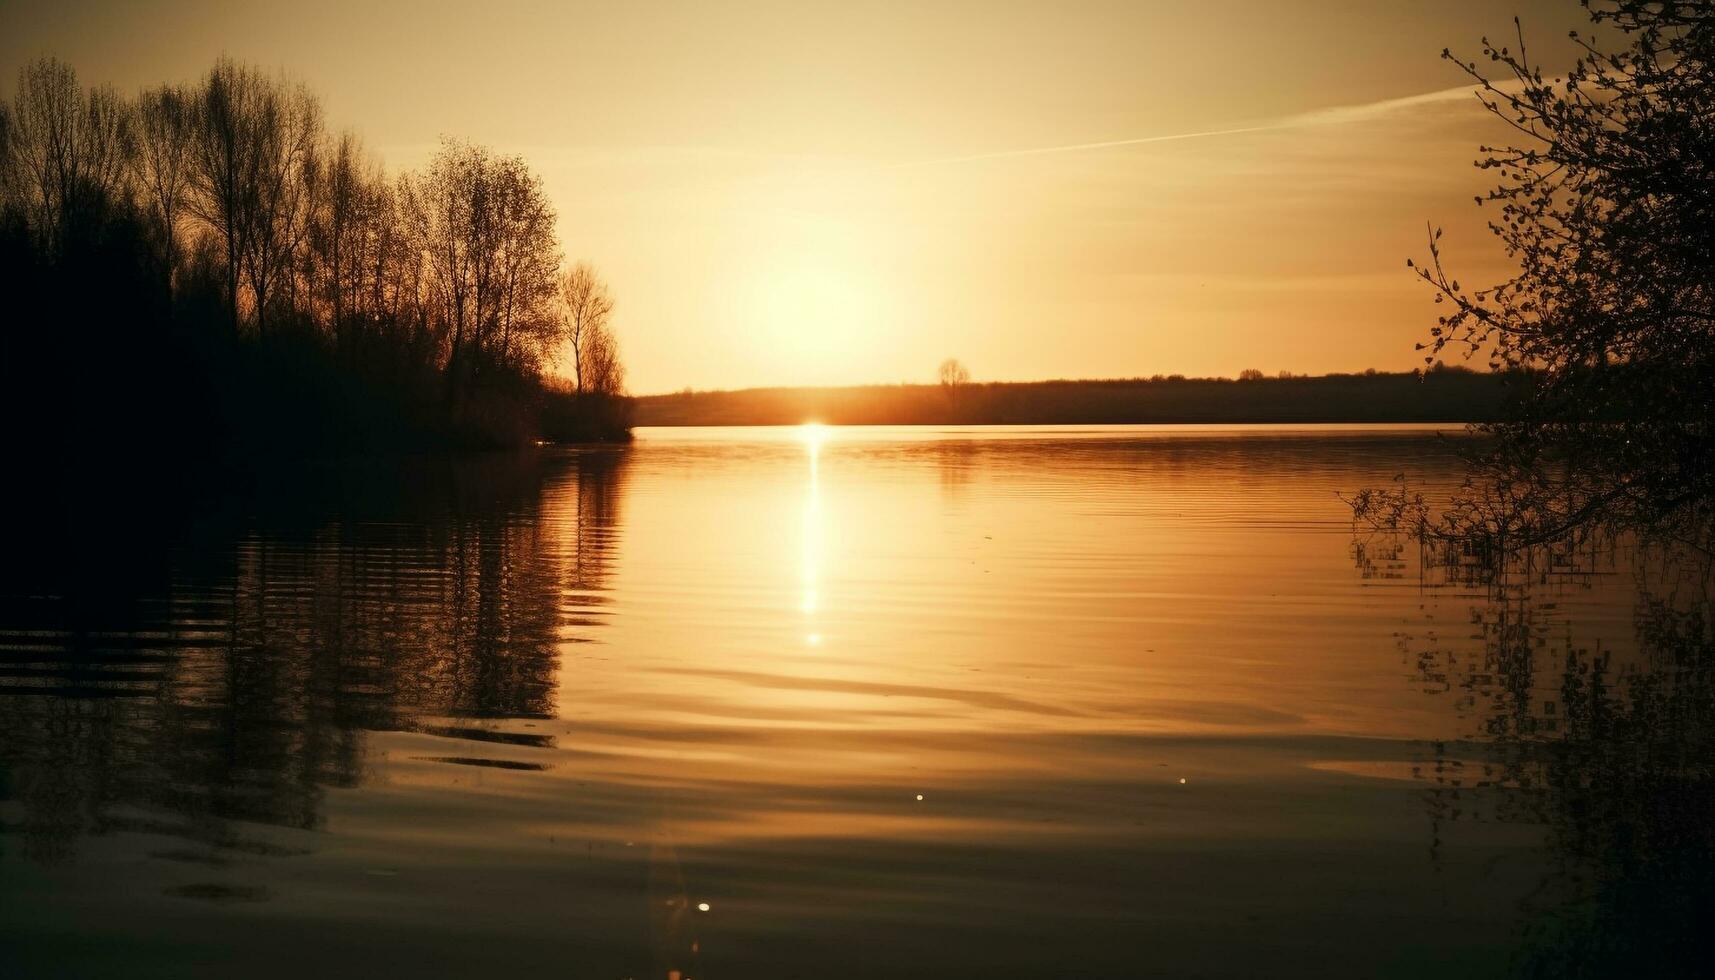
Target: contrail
x,y
1333,115
1104,145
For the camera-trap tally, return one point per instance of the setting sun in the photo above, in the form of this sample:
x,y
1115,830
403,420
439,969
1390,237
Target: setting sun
x,y
817,296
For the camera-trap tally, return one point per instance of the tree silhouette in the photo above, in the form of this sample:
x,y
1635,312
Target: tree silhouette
x,y
165,117
486,233
588,309
600,367
952,373
1606,202
66,153
206,264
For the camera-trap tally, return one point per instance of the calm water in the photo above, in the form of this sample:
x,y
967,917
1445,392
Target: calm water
x,y
800,703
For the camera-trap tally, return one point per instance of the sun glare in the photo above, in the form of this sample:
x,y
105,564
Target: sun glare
x,y
817,285
813,434
812,315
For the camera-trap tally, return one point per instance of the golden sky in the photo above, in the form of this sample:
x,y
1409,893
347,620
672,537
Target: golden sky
x,y
801,192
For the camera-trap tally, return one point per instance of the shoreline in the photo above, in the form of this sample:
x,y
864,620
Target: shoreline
x,y
1432,397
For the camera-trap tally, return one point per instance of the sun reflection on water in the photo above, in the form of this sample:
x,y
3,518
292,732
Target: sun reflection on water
x,y
813,435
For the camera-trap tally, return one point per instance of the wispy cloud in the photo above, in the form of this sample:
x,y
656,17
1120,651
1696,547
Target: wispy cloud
x,y
1103,145
1368,111
1331,116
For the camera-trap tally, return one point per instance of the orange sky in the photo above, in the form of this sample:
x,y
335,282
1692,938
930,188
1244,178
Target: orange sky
x,y
801,192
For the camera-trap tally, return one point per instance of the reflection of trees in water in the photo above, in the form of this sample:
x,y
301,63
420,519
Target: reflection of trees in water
x,y
1609,747
594,507
957,461
234,683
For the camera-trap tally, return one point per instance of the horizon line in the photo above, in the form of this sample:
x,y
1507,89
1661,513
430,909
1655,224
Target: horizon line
x,y
1145,379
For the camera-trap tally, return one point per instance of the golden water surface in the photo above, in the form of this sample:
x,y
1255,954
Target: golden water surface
x,y
801,702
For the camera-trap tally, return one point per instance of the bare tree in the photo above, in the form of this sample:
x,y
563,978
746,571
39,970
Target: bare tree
x,y
438,204
588,308
345,233
527,260
166,119
255,169
600,367
285,183
8,177
362,270
65,150
222,165
953,373
485,232
398,283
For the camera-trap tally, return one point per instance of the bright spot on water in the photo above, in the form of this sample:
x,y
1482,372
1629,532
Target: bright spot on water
x,y
920,797
1181,780
702,906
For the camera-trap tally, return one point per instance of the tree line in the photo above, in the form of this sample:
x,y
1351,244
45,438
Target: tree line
x,y
215,239
1440,394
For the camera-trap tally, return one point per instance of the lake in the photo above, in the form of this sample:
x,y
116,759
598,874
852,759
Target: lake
x,y
817,702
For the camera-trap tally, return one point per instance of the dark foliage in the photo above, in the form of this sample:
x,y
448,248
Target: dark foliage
x,y
1607,204
204,272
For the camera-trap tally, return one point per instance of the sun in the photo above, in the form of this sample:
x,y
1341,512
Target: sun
x,y
819,276
813,314
812,434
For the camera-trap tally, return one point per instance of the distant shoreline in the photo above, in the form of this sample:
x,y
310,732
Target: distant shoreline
x,y
1091,428
1444,396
